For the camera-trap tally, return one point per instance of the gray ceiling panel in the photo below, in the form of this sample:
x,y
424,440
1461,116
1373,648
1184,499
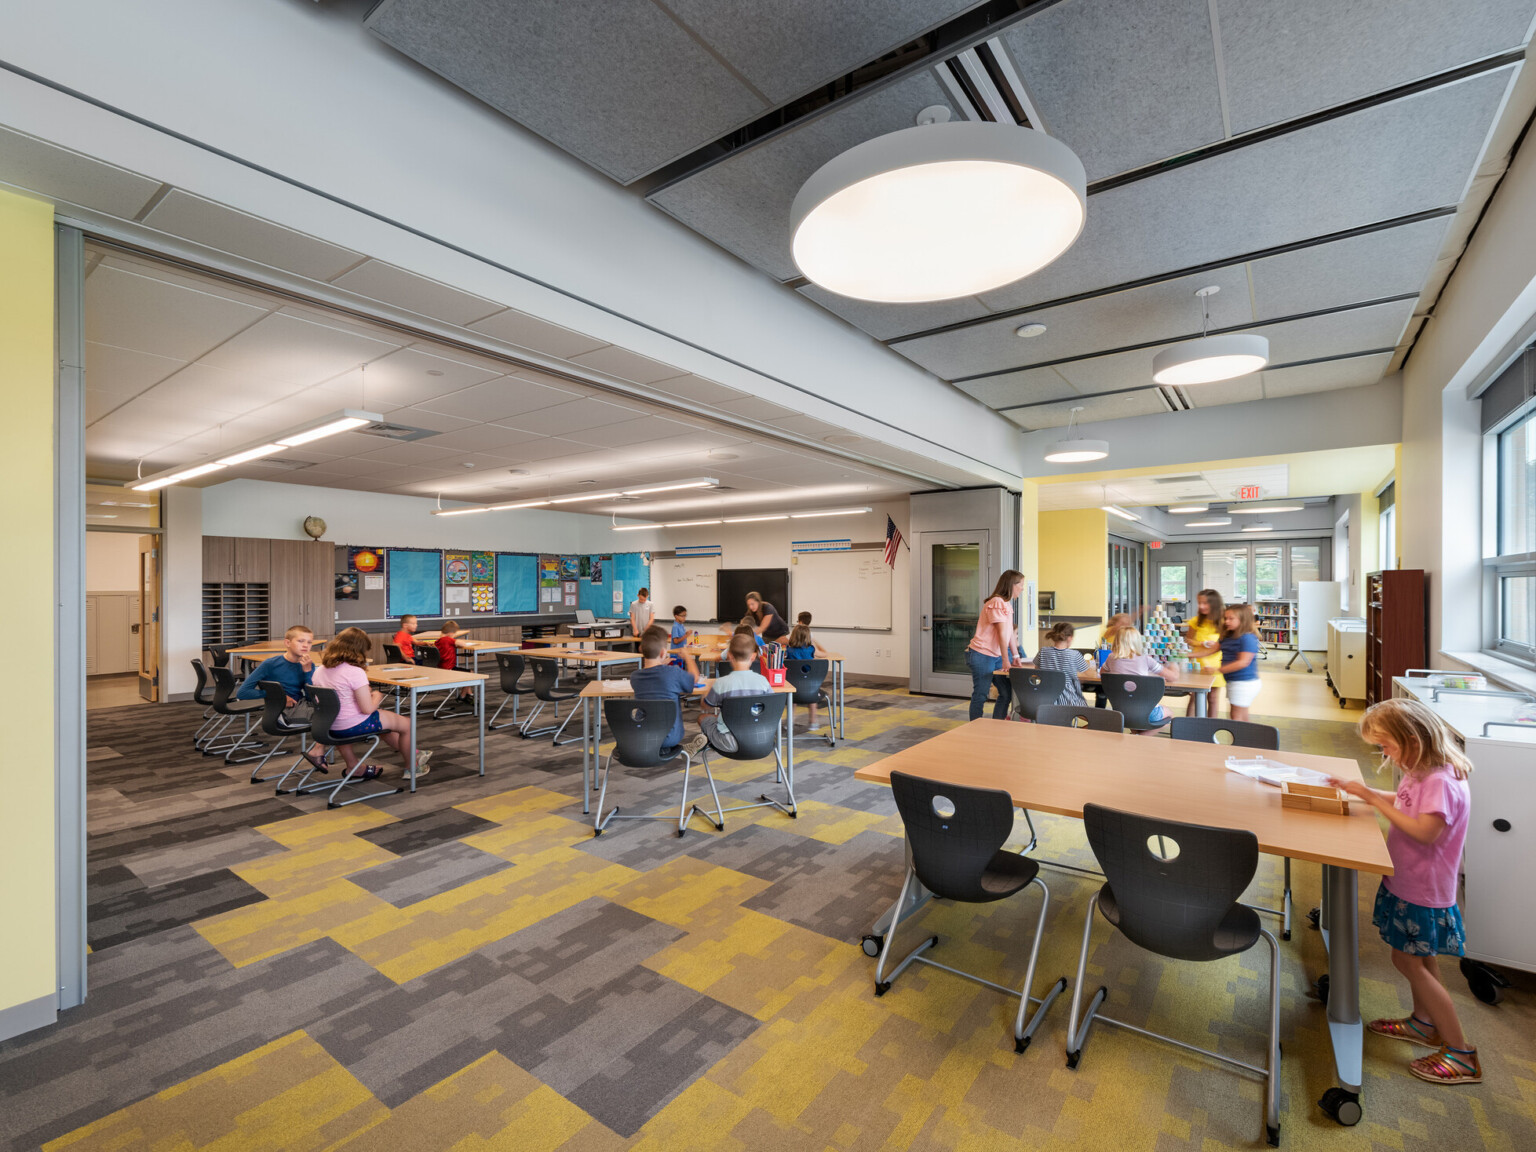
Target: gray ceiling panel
x,y
885,321
1027,387
1368,267
1387,161
1094,408
617,83
1308,378
786,48
1123,82
743,202
62,174
1157,312
1288,59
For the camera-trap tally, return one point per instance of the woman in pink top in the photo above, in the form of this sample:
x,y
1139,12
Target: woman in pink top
x,y
343,669
994,649
1416,910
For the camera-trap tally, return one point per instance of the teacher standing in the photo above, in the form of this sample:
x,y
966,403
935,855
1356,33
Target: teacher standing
x,y
767,622
994,649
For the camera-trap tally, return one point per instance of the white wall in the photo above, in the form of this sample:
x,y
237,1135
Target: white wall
x,y
264,510
181,580
111,562
766,545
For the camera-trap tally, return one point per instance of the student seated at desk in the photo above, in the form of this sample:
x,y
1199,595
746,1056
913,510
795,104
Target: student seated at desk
x,y
679,638
1056,655
1129,657
660,679
292,668
343,669
447,645
403,639
800,646
740,681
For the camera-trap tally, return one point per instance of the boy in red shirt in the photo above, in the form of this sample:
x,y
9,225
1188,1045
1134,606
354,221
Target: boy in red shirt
x,y
448,651
403,640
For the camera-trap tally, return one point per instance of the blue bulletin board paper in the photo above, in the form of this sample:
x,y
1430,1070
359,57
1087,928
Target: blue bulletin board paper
x,y
414,582
517,582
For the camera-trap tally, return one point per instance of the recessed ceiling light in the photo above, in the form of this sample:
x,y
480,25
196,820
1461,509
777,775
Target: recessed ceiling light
x,y
724,456
1268,506
1181,509
434,371
1029,331
1259,528
1218,522
938,211
466,464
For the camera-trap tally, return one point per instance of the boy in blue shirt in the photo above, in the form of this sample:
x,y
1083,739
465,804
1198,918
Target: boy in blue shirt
x,y
292,668
660,679
680,638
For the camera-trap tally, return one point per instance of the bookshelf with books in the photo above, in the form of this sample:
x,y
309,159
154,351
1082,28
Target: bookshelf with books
x,y
1396,628
1276,620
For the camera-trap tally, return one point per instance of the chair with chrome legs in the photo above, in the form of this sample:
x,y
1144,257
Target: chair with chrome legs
x,y
753,722
955,838
1033,688
326,704
1172,889
1080,716
218,655
203,696
546,681
1239,734
275,722
638,727
807,678
247,711
510,665
1136,698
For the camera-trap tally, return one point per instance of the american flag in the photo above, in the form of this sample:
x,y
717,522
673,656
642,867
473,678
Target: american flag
x,y
893,541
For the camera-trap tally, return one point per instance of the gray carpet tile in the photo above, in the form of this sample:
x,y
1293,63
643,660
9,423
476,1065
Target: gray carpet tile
x,y
429,872
415,833
833,892
127,909
167,865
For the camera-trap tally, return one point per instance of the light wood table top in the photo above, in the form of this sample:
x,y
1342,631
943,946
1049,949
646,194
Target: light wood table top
x,y
267,648
563,640
606,689
1050,769
1187,681
582,655
420,676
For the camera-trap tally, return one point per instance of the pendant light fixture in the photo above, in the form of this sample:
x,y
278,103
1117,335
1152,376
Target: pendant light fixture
x,y
939,211
1070,450
1210,358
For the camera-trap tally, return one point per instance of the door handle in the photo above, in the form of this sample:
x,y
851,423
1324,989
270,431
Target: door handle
x,y
926,627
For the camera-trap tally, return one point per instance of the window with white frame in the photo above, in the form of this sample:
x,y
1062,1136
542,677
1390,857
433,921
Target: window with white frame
x,y
1511,570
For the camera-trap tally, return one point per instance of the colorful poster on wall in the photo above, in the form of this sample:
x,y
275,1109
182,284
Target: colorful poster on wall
x,y
569,569
346,586
584,566
364,559
482,568
597,569
549,572
457,568
482,598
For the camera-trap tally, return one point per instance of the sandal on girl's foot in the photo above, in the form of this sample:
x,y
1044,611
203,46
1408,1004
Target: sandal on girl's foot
x,y
1449,1066
1409,1028
369,772
422,768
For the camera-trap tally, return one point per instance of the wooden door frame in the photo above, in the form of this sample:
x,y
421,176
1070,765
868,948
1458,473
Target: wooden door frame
x,y
150,629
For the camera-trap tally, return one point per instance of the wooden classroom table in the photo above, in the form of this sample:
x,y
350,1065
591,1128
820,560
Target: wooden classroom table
x,y
253,654
597,659
416,679
1197,684
564,641
596,691
1175,780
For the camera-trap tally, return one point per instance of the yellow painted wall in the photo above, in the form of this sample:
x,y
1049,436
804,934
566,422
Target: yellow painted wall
x,y
1074,564
1370,536
28,965
1029,539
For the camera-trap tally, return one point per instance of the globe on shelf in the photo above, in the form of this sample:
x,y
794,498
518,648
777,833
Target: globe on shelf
x,y
314,527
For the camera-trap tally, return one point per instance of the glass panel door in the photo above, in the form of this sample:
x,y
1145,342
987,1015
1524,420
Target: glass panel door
x,y
1266,572
1173,589
954,567
1226,570
1305,560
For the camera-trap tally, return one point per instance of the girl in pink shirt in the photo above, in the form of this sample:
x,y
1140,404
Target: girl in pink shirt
x,y
1416,910
994,649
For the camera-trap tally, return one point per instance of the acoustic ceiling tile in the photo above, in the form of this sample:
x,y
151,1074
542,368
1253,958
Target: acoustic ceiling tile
x,y
808,426
537,454
626,365
617,83
572,417
525,331
417,452
123,372
289,349
61,174
1096,408
199,386
431,421
754,408
498,400
698,390
492,439
1167,309
1238,391
380,281
1026,387
1368,267
1326,377
743,202
887,321
241,234
153,315
644,431
1286,60
1325,178
1123,82
411,376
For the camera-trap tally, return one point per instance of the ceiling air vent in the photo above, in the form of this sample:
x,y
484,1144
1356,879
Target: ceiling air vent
x,y
985,85
400,433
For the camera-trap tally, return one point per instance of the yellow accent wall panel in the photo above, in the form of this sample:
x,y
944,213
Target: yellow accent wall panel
x,y
1074,564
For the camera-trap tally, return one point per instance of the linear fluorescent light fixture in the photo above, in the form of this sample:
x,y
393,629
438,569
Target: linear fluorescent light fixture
x,y
745,519
831,512
1218,522
1114,510
702,482
343,421
584,497
755,519
674,486
1184,509
1259,528
1259,509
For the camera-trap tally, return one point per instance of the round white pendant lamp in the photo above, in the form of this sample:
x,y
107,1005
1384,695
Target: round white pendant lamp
x,y
939,211
1210,358
1076,450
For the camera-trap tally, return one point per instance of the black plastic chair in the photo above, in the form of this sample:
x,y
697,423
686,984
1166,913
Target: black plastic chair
x,y
1134,697
394,655
1080,716
639,728
546,687
326,704
275,723
217,743
218,655
1172,889
511,667
204,695
807,678
1239,734
1033,688
428,656
955,838
754,723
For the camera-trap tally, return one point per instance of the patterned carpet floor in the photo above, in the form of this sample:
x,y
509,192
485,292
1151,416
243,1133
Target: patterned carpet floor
x,y
468,968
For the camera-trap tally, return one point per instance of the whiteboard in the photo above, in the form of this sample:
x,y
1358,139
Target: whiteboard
x,y
685,580
843,590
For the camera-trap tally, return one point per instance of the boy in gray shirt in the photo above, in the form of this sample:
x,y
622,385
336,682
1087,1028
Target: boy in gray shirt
x,y
740,681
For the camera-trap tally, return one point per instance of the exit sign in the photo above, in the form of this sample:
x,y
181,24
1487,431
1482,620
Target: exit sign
x,y
1248,492
1154,544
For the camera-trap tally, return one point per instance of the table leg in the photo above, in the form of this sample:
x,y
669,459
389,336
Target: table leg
x,y
1202,703
1341,937
480,721
789,755
588,752
411,757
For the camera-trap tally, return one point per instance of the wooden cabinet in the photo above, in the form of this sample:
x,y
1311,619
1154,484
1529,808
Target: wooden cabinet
x,y
111,639
253,561
286,584
319,567
218,560
1396,628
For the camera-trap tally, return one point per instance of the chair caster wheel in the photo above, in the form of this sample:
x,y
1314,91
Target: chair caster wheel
x,y
1315,918
1286,935
1486,983
1021,1043
882,988
1272,1135
872,945
1322,988
1343,1106
1074,1057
